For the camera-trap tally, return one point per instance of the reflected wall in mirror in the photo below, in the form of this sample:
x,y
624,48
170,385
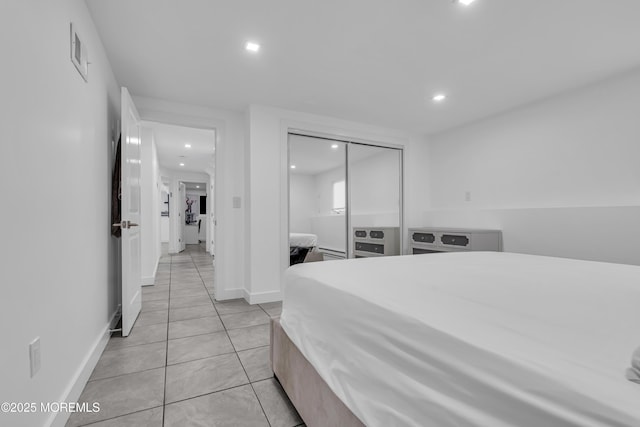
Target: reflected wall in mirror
x,y
317,199
327,199
375,200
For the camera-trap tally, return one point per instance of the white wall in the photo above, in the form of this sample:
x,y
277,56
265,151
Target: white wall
x,y
150,202
58,264
302,197
330,227
324,189
164,230
211,209
375,188
559,177
164,220
266,225
375,192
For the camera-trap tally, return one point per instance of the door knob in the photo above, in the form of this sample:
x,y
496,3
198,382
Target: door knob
x,y
125,224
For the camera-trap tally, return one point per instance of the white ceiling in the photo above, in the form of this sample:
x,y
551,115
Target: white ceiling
x,y
170,143
374,61
312,156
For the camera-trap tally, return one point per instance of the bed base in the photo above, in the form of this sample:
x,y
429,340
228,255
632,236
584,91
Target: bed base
x,y
316,403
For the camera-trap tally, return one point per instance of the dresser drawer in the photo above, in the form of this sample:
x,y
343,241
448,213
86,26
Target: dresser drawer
x,y
455,240
369,247
440,239
376,234
360,234
423,237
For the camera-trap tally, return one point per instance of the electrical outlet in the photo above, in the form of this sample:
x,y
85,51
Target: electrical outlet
x,y
34,356
467,196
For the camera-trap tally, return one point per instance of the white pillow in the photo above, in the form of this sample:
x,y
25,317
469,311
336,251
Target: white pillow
x,y
633,373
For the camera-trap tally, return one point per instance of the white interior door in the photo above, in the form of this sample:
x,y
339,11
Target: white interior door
x,y
182,216
131,257
212,219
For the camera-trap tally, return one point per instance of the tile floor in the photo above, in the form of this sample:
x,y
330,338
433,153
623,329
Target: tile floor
x,y
189,360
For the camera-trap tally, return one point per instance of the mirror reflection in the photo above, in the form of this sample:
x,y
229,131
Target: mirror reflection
x,y
338,212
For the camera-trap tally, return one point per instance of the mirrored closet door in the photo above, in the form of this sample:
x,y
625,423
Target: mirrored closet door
x,y
317,198
345,199
375,200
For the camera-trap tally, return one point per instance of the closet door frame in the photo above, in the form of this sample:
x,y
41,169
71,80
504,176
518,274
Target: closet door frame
x,y
348,141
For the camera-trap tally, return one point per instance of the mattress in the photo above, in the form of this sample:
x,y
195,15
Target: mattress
x,y
303,240
471,339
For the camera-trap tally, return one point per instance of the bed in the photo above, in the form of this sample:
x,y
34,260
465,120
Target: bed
x,y
300,244
460,339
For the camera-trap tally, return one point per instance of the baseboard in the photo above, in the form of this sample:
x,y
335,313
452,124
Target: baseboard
x,y
225,294
262,297
150,280
79,381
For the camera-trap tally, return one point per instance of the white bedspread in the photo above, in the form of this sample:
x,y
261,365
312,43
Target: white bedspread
x,y
304,240
471,339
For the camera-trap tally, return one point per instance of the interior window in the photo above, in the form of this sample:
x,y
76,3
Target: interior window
x,y
338,197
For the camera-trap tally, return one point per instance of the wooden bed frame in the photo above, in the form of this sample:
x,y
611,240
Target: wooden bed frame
x,y
316,403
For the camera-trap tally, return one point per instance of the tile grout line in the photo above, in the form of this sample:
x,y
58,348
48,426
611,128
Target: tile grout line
x,y
118,416
207,394
176,269
235,351
166,352
166,363
131,373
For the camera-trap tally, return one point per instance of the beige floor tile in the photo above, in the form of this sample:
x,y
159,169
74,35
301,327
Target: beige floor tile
x,y
257,363
191,379
280,412
127,360
120,396
251,337
229,408
242,320
191,327
198,347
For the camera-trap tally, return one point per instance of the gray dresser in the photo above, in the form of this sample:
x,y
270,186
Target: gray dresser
x,y
426,240
375,241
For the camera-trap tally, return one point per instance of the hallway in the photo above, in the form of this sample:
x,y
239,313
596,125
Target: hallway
x,y
190,360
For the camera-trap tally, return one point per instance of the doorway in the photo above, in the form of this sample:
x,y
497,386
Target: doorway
x,y
196,209
186,158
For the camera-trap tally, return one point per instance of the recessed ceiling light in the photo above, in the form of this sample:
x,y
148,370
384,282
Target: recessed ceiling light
x,y
293,166
464,2
252,47
187,145
197,186
334,146
181,164
439,97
